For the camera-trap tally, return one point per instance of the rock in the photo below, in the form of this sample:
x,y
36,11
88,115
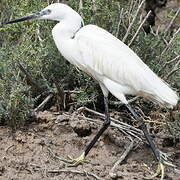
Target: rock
x,y
82,128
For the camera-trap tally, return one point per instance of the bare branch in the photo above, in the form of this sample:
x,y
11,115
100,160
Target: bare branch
x,y
176,68
29,78
171,22
120,19
132,22
80,5
168,62
61,94
40,107
129,147
139,28
170,42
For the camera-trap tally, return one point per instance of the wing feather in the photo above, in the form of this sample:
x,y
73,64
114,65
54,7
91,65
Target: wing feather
x,y
105,56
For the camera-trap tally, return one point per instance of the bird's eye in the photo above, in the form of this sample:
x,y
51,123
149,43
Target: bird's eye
x,y
48,11
45,12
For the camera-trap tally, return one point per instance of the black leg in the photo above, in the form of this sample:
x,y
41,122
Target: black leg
x,y
146,133
102,129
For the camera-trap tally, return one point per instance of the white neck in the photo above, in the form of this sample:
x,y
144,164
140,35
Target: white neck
x,y
67,27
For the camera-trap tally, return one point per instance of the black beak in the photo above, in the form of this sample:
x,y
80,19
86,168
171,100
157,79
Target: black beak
x,y
33,16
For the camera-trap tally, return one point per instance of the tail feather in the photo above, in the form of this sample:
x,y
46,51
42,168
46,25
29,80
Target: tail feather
x,y
164,94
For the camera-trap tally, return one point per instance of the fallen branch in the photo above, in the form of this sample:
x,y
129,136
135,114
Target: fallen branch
x,y
29,79
112,119
56,157
59,171
128,148
41,106
123,127
83,173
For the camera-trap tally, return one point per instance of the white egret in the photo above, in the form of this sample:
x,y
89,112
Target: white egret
x,y
109,61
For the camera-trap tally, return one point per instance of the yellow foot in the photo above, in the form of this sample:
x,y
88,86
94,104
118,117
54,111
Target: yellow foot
x,y
76,161
160,169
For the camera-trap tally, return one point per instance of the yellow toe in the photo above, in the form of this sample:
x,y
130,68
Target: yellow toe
x,y
77,161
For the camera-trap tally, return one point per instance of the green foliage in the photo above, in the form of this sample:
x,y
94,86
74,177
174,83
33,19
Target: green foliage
x,y
31,44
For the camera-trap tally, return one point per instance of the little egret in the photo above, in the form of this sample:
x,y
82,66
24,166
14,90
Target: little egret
x,y
111,63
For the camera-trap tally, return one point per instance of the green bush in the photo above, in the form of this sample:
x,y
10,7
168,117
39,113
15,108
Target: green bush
x,y
31,44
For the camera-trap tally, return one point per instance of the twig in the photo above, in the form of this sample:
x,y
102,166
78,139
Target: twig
x,y
29,78
114,120
132,22
130,7
40,107
123,129
83,173
80,5
129,147
172,20
139,28
9,148
176,68
168,62
170,42
61,94
56,157
94,7
120,18
73,91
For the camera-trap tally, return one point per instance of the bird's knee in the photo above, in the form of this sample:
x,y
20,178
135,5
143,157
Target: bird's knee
x,y
107,122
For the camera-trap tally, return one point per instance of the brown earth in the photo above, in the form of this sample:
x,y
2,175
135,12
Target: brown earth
x,y
31,154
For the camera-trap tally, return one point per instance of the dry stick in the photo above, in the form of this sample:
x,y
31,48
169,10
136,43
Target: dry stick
x,y
139,28
129,28
84,173
40,107
168,62
120,18
137,133
28,76
176,68
130,7
80,5
114,120
124,129
56,157
170,42
129,147
171,22
61,94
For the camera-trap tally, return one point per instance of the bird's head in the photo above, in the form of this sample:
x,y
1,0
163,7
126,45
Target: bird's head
x,y
56,12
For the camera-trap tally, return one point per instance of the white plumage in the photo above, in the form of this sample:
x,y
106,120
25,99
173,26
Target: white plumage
x,y
108,60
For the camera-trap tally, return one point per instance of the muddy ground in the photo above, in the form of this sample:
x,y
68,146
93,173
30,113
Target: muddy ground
x,y
33,153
